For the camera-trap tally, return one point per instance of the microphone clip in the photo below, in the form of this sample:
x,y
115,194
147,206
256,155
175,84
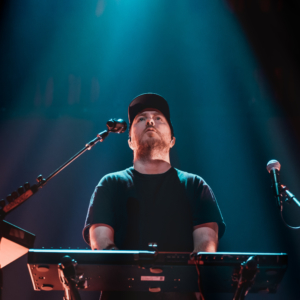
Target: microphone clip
x,y
116,125
274,173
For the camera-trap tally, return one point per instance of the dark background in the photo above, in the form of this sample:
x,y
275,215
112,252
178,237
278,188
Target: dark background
x,y
230,72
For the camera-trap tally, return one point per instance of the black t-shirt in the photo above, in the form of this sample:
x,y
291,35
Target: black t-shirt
x,y
160,208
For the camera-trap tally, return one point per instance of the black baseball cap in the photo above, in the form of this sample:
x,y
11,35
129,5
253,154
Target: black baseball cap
x,y
149,100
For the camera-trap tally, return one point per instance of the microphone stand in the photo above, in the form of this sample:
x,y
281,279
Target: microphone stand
x,y
16,201
18,197
289,197
247,274
68,278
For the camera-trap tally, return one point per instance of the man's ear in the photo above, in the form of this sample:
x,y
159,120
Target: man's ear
x,y
173,140
130,143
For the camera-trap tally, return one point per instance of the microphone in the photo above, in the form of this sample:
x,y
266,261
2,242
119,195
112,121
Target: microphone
x,y
116,125
273,167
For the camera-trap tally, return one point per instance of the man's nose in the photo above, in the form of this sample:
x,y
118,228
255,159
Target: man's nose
x,y
150,121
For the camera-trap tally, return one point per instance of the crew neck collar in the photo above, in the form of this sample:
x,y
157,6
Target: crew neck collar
x,y
135,172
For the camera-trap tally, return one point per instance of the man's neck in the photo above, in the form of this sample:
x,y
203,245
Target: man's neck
x,y
151,166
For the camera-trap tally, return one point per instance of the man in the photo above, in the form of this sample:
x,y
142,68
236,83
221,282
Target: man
x,y
152,202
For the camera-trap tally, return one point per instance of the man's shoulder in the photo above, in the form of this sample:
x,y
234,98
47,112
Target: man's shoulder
x,y
189,177
119,176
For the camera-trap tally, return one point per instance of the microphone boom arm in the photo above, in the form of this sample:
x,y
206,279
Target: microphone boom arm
x,y
289,196
100,138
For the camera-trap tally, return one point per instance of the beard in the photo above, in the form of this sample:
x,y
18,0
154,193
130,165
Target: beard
x,y
147,147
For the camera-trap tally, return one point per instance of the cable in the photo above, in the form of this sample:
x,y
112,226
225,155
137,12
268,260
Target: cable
x,y
287,225
199,281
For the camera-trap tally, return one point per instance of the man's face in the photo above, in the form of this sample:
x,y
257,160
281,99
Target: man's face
x,y
150,130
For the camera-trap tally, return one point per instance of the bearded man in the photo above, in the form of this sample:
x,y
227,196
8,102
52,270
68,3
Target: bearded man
x,y
152,202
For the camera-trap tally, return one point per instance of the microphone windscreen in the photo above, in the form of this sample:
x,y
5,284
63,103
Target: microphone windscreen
x,y
273,164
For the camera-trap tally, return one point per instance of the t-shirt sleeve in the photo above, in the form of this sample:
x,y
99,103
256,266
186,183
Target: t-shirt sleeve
x,y
206,208
101,210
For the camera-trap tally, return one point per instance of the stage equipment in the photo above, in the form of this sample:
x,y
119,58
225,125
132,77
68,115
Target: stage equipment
x,y
16,198
14,243
11,245
152,271
67,276
281,192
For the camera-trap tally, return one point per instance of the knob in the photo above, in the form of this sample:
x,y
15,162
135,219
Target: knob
x,y
152,246
15,195
9,198
40,179
27,186
21,190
